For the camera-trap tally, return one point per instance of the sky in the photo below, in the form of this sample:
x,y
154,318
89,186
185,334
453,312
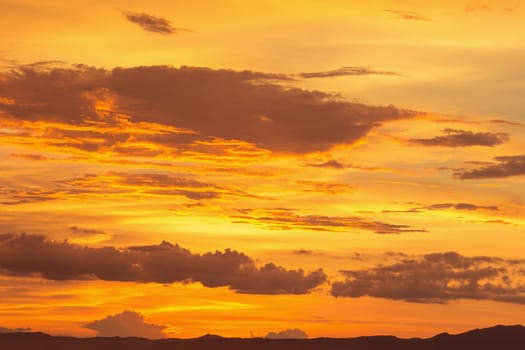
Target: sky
x,y
283,169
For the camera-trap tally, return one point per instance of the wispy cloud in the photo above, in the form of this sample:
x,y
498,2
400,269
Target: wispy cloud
x,y
445,206
152,23
328,164
344,71
477,7
504,166
410,15
286,219
463,138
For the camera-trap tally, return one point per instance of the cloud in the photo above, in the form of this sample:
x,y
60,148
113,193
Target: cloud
x,y
287,334
146,184
326,187
328,164
126,324
445,206
287,219
80,234
502,121
438,278
164,263
14,330
505,167
477,7
152,23
203,104
410,15
344,71
36,157
124,184
462,138
303,252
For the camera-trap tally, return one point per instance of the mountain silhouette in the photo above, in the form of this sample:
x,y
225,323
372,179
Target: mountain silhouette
x,y
498,337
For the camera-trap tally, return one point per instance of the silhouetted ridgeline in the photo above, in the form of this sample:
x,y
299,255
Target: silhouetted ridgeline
x,y
499,337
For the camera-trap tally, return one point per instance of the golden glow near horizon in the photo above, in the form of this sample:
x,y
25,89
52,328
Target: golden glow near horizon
x,y
258,131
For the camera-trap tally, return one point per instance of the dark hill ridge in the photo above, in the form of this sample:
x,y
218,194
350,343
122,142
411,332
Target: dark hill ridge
x,y
499,337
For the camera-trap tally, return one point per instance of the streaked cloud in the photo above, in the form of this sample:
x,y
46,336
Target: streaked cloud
x,y
346,71
477,7
463,138
326,187
410,15
503,166
328,164
287,219
445,206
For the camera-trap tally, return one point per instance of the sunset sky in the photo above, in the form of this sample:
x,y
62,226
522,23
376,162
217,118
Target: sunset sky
x,y
342,168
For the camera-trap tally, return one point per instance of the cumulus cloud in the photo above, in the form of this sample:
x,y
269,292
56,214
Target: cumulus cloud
x,y
212,104
503,167
163,263
344,71
126,324
463,138
287,219
410,15
287,334
152,23
438,278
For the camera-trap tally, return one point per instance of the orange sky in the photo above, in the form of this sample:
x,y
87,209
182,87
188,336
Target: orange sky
x,y
341,168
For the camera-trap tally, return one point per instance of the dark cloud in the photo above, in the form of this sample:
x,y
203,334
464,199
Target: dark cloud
x,y
214,104
462,138
328,164
126,324
437,278
14,330
505,167
346,71
164,263
444,206
287,334
152,23
410,15
286,219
